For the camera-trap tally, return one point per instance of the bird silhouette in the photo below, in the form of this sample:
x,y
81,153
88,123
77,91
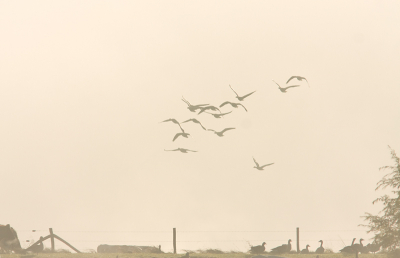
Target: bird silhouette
x,y
358,247
173,120
320,249
283,248
181,134
300,78
262,167
194,120
220,134
349,248
208,108
257,249
305,251
191,107
216,115
181,150
242,97
235,105
286,88
373,248
36,248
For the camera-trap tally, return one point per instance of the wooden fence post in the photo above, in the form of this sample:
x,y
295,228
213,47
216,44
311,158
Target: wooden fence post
x,y
298,240
52,239
174,239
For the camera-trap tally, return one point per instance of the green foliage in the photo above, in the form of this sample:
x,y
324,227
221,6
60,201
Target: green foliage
x,y
386,225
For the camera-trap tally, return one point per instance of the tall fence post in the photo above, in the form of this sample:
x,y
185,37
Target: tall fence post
x,y
298,240
52,239
174,240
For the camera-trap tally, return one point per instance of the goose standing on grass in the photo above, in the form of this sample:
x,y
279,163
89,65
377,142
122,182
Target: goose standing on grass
x,y
219,115
181,150
242,97
235,105
220,134
191,107
37,248
358,247
320,249
258,249
286,88
194,121
300,78
173,120
258,166
305,251
349,248
283,248
373,248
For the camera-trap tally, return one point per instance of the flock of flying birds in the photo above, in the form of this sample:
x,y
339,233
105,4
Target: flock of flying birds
x,y
205,108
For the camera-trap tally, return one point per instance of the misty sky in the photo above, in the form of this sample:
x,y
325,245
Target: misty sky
x,y
85,85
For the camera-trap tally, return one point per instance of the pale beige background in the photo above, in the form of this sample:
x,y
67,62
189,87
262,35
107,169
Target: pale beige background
x,y
84,85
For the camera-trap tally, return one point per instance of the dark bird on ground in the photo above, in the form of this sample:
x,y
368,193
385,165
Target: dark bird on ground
x,y
305,251
194,120
186,255
283,248
36,248
235,105
300,78
258,249
373,248
191,107
320,249
349,248
286,88
181,150
220,134
258,166
180,134
358,247
173,120
242,97
208,108
219,115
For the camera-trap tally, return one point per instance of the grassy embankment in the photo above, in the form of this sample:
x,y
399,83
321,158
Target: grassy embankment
x,y
194,255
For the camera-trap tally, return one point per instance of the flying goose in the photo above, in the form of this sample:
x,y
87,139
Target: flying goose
x,y
262,167
219,115
285,89
220,134
257,249
173,120
300,78
181,150
283,248
235,105
181,134
242,97
320,250
191,107
208,108
194,120
305,251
